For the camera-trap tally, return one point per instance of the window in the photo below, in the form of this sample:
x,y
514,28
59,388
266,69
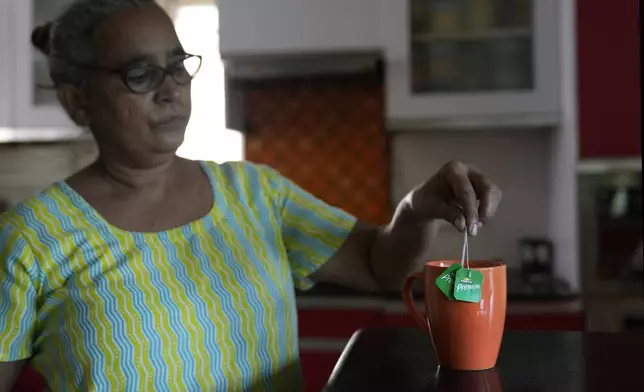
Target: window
x,y
197,24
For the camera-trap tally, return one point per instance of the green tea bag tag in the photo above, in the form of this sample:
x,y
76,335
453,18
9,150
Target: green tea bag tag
x,y
467,286
445,281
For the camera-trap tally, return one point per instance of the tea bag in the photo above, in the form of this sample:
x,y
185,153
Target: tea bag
x,y
445,281
467,282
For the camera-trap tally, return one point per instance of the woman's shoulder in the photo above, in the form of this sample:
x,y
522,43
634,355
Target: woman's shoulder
x,y
244,173
240,167
48,205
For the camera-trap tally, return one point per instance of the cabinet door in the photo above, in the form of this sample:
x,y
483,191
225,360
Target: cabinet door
x,y
283,26
608,47
335,323
400,320
514,322
29,381
317,367
323,335
545,322
471,59
36,104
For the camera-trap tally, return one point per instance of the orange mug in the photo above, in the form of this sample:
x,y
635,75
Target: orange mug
x,y
466,335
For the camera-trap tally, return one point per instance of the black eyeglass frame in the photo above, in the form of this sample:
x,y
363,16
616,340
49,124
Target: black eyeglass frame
x,y
123,71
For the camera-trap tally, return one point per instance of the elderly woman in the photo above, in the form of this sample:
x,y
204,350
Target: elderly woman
x,y
149,272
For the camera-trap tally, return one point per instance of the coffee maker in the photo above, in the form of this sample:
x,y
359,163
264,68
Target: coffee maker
x,y
537,259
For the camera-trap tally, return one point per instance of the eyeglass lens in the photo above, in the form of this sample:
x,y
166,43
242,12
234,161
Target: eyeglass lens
x,y
147,78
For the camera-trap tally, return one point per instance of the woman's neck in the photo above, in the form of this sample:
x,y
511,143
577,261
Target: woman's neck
x,y
142,178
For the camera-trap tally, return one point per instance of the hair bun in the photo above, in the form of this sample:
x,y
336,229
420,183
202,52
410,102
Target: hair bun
x,y
41,37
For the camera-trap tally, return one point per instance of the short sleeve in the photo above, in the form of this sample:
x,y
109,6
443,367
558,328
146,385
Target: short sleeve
x,y
312,230
18,295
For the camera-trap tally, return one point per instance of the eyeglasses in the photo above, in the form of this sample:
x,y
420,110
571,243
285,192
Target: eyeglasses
x,y
142,79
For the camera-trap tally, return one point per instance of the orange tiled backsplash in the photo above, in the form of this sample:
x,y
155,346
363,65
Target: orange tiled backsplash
x,y
328,136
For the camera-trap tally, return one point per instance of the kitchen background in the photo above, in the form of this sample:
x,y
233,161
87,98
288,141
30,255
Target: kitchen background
x,y
360,100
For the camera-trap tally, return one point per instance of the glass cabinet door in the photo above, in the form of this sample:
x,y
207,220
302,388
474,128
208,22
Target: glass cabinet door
x,y
469,46
36,105
44,93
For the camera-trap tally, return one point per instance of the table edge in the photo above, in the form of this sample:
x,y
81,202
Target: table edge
x,y
345,352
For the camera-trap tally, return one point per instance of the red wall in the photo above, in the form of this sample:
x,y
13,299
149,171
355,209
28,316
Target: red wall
x,y
608,47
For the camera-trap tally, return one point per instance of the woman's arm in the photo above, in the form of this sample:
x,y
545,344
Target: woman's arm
x,y
379,258
18,298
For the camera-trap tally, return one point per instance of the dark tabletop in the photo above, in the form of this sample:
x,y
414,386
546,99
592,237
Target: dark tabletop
x,y
402,359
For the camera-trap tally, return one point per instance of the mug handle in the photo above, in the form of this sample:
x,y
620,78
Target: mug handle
x,y
419,316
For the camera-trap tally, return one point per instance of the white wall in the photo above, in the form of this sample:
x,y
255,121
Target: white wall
x,y
517,161
29,168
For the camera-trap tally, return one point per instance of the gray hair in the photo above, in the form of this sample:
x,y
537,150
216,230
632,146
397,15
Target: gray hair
x,y
68,41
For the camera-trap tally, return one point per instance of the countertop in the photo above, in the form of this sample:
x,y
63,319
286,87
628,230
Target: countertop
x,y
329,296
403,359
553,290
326,290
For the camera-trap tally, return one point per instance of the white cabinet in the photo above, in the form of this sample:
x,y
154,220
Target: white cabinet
x,y
6,67
35,102
285,26
448,62
29,108
471,62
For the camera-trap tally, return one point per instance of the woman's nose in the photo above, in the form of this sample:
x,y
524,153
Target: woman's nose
x,y
169,91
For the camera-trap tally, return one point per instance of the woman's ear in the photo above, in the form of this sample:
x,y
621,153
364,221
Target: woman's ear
x,y
74,101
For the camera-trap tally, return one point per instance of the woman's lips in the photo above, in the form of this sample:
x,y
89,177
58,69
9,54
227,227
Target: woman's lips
x,y
173,123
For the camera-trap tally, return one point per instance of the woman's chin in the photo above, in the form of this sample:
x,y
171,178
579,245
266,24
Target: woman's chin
x,y
170,141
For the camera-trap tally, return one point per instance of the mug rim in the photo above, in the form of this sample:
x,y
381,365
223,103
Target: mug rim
x,y
474,264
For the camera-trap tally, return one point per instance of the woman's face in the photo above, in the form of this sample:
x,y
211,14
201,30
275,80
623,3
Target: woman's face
x,y
130,125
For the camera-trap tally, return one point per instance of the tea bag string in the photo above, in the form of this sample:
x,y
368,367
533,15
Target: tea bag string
x,y
465,256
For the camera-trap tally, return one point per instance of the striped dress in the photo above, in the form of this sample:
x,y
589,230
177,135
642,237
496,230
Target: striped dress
x,y
207,306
